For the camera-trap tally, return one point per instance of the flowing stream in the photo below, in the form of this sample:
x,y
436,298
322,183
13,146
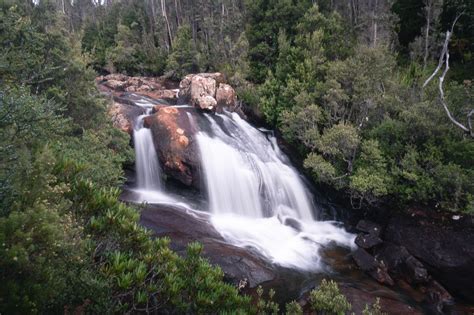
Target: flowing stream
x,y
256,199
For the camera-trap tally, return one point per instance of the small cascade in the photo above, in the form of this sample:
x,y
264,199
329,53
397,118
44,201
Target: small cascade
x,y
147,167
258,200
247,174
149,187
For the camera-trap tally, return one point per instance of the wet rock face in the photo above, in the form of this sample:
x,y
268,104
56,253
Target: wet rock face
x,y
239,265
446,249
367,240
173,136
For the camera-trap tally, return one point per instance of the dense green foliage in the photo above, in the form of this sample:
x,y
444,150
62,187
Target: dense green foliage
x,y
67,243
364,122
151,37
345,88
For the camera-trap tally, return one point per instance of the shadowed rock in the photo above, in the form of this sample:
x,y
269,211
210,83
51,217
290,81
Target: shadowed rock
x,y
184,227
367,240
445,248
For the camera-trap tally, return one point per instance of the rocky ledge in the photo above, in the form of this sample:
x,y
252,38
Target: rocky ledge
x,y
239,265
173,127
430,253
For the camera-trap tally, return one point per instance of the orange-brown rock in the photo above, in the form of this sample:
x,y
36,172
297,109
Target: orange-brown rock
x,y
123,116
116,85
159,86
226,97
173,138
116,77
165,94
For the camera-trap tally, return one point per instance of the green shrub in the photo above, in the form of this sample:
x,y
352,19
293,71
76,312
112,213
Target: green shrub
x,y
327,299
293,308
374,309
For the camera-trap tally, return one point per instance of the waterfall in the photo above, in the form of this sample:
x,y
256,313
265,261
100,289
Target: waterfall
x,y
147,167
246,173
257,199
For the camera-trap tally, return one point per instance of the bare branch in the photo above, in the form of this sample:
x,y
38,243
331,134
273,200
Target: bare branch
x,y
441,59
444,51
441,91
444,59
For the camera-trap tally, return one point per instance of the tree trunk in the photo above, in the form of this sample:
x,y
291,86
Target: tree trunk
x,y
165,16
429,8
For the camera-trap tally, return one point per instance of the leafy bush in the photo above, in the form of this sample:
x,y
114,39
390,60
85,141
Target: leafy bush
x,y
293,308
327,299
374,309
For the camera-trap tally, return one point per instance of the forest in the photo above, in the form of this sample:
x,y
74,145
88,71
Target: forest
x,y
375,98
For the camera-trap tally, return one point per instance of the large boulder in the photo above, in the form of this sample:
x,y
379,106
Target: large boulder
x,y
199,91
370,265
444,247
367,241
226,97
116,85
207,91
173,136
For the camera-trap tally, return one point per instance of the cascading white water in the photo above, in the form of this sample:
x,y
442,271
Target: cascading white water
x,y
246,175
257,199
147,167
149,187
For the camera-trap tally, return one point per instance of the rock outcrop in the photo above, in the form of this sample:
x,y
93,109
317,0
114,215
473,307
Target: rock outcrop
x,y
157,88
444,248
430,252
173,138
208,91
359,298
124,115
238,264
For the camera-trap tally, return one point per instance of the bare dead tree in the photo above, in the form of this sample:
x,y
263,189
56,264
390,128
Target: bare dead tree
x,y
444,60
165,16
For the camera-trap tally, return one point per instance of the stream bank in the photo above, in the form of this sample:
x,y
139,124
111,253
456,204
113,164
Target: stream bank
x,y
422,284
